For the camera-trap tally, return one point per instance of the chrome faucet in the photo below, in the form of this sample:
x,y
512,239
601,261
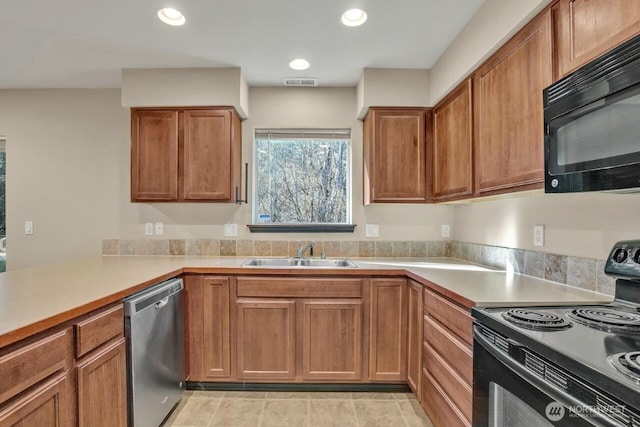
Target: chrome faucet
x,y
301,250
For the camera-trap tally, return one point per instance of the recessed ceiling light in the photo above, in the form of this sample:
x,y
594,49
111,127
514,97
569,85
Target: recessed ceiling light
x,y
354,17
299,64
171,16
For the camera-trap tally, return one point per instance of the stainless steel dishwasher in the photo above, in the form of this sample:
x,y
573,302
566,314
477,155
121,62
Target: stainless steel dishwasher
x,y
154,329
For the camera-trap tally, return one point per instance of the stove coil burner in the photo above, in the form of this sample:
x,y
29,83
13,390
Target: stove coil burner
x,y
535,319
627,363
607,319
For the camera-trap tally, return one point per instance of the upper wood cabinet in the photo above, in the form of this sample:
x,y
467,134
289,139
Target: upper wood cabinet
x,y
585,29
508,112
180,154
452,145
395,155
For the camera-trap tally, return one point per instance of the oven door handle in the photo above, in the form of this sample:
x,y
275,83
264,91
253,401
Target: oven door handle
x,y
546,387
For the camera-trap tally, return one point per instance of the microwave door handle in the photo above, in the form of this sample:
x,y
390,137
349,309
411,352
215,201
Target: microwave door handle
x,y
549,389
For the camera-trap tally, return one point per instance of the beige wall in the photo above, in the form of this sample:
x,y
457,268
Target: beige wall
x,y
580,224
386,87
494,23
63,171
68,171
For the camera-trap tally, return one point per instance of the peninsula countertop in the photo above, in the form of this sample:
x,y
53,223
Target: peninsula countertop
x,y
35,299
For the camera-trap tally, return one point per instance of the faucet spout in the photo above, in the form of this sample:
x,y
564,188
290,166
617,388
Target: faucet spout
x,y
301,250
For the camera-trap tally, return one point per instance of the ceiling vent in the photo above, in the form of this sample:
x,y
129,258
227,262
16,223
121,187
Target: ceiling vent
x,y
300,81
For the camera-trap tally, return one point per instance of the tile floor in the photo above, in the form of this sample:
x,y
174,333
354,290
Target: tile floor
x,y
299,409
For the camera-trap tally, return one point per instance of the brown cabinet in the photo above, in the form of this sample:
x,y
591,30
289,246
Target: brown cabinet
x,y
294,329
395,155
447,364
508,113
36,386
388,330
332,340
102,387
185,155
266,339
414,338
452,145
101,368
208,328
585,29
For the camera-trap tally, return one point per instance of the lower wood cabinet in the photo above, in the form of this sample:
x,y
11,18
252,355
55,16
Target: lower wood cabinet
x,y
332,340
102,387
46,405
414,338
447,361
208,338
388,330
266,339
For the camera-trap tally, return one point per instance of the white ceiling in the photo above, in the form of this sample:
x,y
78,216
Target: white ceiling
x,y
85,43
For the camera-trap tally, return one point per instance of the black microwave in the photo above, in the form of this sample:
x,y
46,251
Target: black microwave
x,y
592,125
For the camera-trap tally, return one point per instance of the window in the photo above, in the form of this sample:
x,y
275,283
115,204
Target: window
x,y
302,178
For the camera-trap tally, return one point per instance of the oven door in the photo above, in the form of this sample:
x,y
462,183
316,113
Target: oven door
x,y
505,394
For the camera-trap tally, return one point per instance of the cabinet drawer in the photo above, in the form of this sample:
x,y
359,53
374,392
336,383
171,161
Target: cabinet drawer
x,y
457,352
438,406
32,363
456,388
457,319
97,329
299,287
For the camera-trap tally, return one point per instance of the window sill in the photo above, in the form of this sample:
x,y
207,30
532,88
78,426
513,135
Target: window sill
x,y
301,228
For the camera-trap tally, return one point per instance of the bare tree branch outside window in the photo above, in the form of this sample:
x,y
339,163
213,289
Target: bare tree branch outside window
x,y
301,181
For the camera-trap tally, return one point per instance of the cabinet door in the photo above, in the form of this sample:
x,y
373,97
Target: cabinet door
x,y
414,342
388,330
208,155
102,387
154,155
332,340
47,405
266,339
508,111
585,29
395,156
452,145
208,326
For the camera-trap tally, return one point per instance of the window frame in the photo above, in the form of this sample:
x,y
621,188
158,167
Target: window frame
x,y
330,133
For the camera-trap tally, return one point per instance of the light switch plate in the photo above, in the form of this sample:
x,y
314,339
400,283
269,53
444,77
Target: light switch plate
x,y
159,227
446,230
231,229
148,229
538,235
372,230
28,227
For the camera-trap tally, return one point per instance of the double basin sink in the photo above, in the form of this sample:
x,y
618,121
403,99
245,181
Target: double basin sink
x,y
299,262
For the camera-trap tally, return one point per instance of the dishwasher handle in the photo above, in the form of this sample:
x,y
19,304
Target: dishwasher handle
x,y
156,296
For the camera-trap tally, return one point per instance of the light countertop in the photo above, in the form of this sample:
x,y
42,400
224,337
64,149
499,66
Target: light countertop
x,y
35,299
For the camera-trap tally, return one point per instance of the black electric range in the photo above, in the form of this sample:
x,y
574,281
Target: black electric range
x,y
588,355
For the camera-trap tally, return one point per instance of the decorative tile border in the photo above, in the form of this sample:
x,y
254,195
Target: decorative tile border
x,y
331,248
584,273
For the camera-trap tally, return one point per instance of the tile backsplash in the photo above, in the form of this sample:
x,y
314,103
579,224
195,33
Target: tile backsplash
x,y
578,272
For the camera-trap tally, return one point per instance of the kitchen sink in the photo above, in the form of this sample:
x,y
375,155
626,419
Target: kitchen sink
x,y
300,262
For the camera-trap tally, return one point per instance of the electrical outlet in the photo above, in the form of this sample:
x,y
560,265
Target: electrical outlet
x,y
538,235
148,229
231,229
159,227
28,227
446,230
372,230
